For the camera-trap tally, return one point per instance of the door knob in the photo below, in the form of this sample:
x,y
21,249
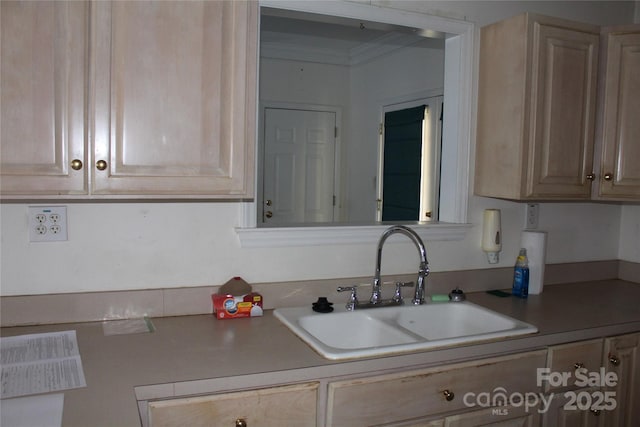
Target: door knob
x,y
101,165
268,202
76,164
268,214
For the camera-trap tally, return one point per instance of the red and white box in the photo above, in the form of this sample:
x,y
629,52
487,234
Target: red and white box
x,y
229,304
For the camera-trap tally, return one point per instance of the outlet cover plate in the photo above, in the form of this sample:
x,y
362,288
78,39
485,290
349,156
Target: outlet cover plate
x,y
531,221
47,223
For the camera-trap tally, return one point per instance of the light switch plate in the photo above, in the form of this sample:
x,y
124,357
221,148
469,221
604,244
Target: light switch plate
x,y
47,223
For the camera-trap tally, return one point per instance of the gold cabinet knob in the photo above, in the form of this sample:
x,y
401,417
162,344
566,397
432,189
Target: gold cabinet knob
x,y
608,176
268,214
448,395
614,360
101,165
241,422
578,365
595,412
76,164
591,176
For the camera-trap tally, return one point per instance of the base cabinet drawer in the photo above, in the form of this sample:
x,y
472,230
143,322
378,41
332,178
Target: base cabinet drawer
x,y
393,398
293,406
567,359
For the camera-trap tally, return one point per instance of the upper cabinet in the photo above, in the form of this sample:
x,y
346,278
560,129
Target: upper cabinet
x,y
619,129
43,78
131,99
536,109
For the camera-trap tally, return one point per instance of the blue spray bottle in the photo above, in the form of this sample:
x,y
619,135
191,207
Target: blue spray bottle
x,y
521,275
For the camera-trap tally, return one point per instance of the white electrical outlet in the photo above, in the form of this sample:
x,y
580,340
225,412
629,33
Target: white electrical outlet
x,y
47,223
532,216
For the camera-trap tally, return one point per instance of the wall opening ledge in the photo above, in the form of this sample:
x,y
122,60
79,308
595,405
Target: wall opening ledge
x,y
251,237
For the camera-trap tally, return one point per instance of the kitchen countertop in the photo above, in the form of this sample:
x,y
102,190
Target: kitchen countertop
x,y
198,354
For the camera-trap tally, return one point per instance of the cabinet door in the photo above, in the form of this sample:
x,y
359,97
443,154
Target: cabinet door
x,y
619,176
564,409
622,356
496,417
536,109
43,79
563,99
174,108
293,406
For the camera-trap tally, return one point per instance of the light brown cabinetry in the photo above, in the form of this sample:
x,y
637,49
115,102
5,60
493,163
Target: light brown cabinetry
x,y
429,392
536,108
43,71
569,399
474,393
167,91
293,406
622,356
568,358
618,176
496,417
174,101
559,416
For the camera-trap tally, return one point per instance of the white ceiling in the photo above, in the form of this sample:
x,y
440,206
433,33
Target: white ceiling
x,y
327,39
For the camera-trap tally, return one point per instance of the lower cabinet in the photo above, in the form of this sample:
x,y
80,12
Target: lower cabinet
x,y
394,399
593,383
293,405
571,402
564,409
507,416
622,356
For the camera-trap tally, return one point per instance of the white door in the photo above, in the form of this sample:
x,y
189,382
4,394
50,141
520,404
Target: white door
x,y
299,163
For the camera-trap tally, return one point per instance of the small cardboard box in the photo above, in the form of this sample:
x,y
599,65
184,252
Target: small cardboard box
x,y
226,305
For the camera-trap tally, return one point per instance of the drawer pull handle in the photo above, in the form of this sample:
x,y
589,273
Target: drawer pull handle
x,y
240,422
614,360
578,365
448,395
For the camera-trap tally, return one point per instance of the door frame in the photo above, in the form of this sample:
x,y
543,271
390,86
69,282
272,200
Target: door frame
x,y
401,103
337,173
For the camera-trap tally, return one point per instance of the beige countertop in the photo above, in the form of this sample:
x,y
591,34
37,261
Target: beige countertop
x,y
198,354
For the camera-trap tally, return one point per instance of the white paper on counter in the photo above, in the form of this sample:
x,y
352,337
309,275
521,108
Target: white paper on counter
x,y
33,411
40,363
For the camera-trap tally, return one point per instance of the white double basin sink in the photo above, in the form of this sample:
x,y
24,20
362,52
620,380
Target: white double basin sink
x,y
371,332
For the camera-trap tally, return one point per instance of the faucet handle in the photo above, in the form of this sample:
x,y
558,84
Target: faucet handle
x,y
397,296
353,298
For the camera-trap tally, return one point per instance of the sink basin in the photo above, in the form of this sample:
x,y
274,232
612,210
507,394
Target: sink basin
x,y
380,331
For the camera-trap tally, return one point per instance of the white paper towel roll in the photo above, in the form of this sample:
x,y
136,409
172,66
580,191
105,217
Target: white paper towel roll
x,y
535,242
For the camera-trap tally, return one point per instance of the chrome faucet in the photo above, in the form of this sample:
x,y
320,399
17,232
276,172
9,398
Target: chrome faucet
x,y
423,269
